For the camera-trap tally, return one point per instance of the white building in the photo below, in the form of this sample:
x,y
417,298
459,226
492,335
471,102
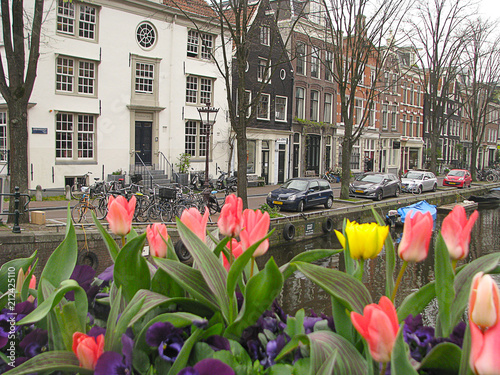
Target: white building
x,y
118,78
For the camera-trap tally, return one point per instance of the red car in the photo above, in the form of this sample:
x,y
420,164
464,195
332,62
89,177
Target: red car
x,y
458,177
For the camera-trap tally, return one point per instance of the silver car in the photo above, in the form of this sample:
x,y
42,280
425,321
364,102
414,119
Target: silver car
x,y
417,182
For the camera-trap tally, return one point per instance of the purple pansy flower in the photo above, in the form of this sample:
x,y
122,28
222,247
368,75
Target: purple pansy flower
x,y
7,319
217,343
208,366
112,363
35,342
166,338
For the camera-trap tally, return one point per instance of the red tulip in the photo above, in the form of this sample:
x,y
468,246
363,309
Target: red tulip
x,y
231,217
379,327
193,220
417,233
255,227
456,232
237,250
87,349
484,322
157,235
120,214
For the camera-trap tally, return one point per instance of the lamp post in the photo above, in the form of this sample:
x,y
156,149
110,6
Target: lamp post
x,y
207,116
403,141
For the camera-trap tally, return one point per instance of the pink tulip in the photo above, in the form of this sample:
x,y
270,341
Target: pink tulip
x,y
32,285
157,235
193,219
417,233
484,322
255,227
120,214
456,232
231,217
379,327
237,250
87,349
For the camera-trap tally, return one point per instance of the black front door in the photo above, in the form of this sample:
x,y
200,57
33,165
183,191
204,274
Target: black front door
x,y
313,152
281,163
296,158
265,165
143,142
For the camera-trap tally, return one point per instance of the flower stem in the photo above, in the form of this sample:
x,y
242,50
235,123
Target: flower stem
x,y
398,281
231,257
123,241
251,267
454,264
384,367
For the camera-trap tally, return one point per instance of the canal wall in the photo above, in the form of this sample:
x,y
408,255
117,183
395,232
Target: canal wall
x,y
289,229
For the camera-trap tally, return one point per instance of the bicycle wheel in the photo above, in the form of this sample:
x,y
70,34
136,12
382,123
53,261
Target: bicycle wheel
x,y
81,213
100,205
166,212
213,205
141,208
76,191
153,212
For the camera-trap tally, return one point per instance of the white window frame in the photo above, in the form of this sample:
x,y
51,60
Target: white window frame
x,y
284,107
259,106
74,20
198,85
358,110
74,76
200,45
3,136
371,115
315,62
300,65
327,108
77,135
194,139
264,70
144,77
385,109
329,66
394,117
265,35
300,110
314,106
248,94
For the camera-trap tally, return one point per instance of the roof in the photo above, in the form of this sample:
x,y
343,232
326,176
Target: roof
x,y
197,7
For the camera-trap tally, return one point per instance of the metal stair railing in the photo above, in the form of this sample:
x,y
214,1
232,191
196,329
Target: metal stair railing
x,y
143,168
164,164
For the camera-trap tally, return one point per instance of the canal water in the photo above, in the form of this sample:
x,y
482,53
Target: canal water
x,y
299,292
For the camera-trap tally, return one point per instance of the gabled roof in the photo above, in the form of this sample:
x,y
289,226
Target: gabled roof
x,y
251,12
196,7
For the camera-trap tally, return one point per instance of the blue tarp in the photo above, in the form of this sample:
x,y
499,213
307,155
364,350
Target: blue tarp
x,y
421,206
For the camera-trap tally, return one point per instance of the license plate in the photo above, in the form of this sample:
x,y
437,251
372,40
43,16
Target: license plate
x,y
359,191
277,202
452,183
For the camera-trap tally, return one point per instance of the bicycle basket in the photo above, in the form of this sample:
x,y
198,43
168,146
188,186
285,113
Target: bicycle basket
x,y
167,193
136,178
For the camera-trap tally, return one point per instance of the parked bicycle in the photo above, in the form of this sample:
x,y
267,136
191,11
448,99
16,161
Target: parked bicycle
x,y
82,211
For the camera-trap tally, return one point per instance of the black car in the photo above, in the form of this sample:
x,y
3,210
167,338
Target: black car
x,y
299,193
375,186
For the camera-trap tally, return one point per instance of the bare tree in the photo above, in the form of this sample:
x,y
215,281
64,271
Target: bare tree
x,y
17,85
481,74
435,33
359,31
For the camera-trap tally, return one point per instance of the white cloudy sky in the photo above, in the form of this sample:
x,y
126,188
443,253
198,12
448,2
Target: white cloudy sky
x,y
490,9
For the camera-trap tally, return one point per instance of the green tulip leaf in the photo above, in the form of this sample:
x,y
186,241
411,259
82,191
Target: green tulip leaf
x,y
182,358
260,292
463,281
390,257
49,362
211,268
190,279
26,285
400,357
9,277
308,257
115,338
164,284
416,302
328,367
445,293
110,243
116,302
325,344
347,289
464,361
444,359
131,271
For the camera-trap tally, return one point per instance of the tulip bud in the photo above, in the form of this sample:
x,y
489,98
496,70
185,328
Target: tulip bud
x,y
417,233
157,235
456,231
87,349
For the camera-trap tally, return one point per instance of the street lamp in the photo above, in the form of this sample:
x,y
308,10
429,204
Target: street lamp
x,y
207,116
403,141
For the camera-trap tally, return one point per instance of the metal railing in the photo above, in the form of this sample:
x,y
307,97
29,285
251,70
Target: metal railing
x,y
164,164
17,195
142,169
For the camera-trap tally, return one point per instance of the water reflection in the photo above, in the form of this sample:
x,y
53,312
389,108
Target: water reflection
x,y
299,292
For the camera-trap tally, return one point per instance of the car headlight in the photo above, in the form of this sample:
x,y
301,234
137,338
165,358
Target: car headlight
x,y
461,179
292,197
371,188
269,195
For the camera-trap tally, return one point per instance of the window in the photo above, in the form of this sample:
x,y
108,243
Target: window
x,y
199,45
418,133
394,117
144,77
327,109
299,102
280,105
300,51
195,139
403,94
417,96
315,63
3,136
75,136
410,126
264,35
314,106
371,118
75,81
84,17
358,108
410,95
405,132
328,65
198,90
263,107
264,71
247,100
146,35
384,116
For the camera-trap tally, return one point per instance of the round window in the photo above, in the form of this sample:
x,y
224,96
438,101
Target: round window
x,y
146,35
247,67
283,74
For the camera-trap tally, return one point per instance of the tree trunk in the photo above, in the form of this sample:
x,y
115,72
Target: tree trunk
x,y
345,179
18,158
241,139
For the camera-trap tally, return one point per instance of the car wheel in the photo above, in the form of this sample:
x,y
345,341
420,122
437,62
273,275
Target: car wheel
x,y
300,207
418,190
329,202
379,195
435,187
398,191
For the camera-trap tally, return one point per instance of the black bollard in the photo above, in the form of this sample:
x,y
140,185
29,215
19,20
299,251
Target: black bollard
x,y
17,195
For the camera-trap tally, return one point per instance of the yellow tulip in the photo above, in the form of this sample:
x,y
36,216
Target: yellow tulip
x,y
365,240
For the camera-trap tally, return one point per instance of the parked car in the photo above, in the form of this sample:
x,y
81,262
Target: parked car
x,y
418,181
375,186
301,192
458,177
